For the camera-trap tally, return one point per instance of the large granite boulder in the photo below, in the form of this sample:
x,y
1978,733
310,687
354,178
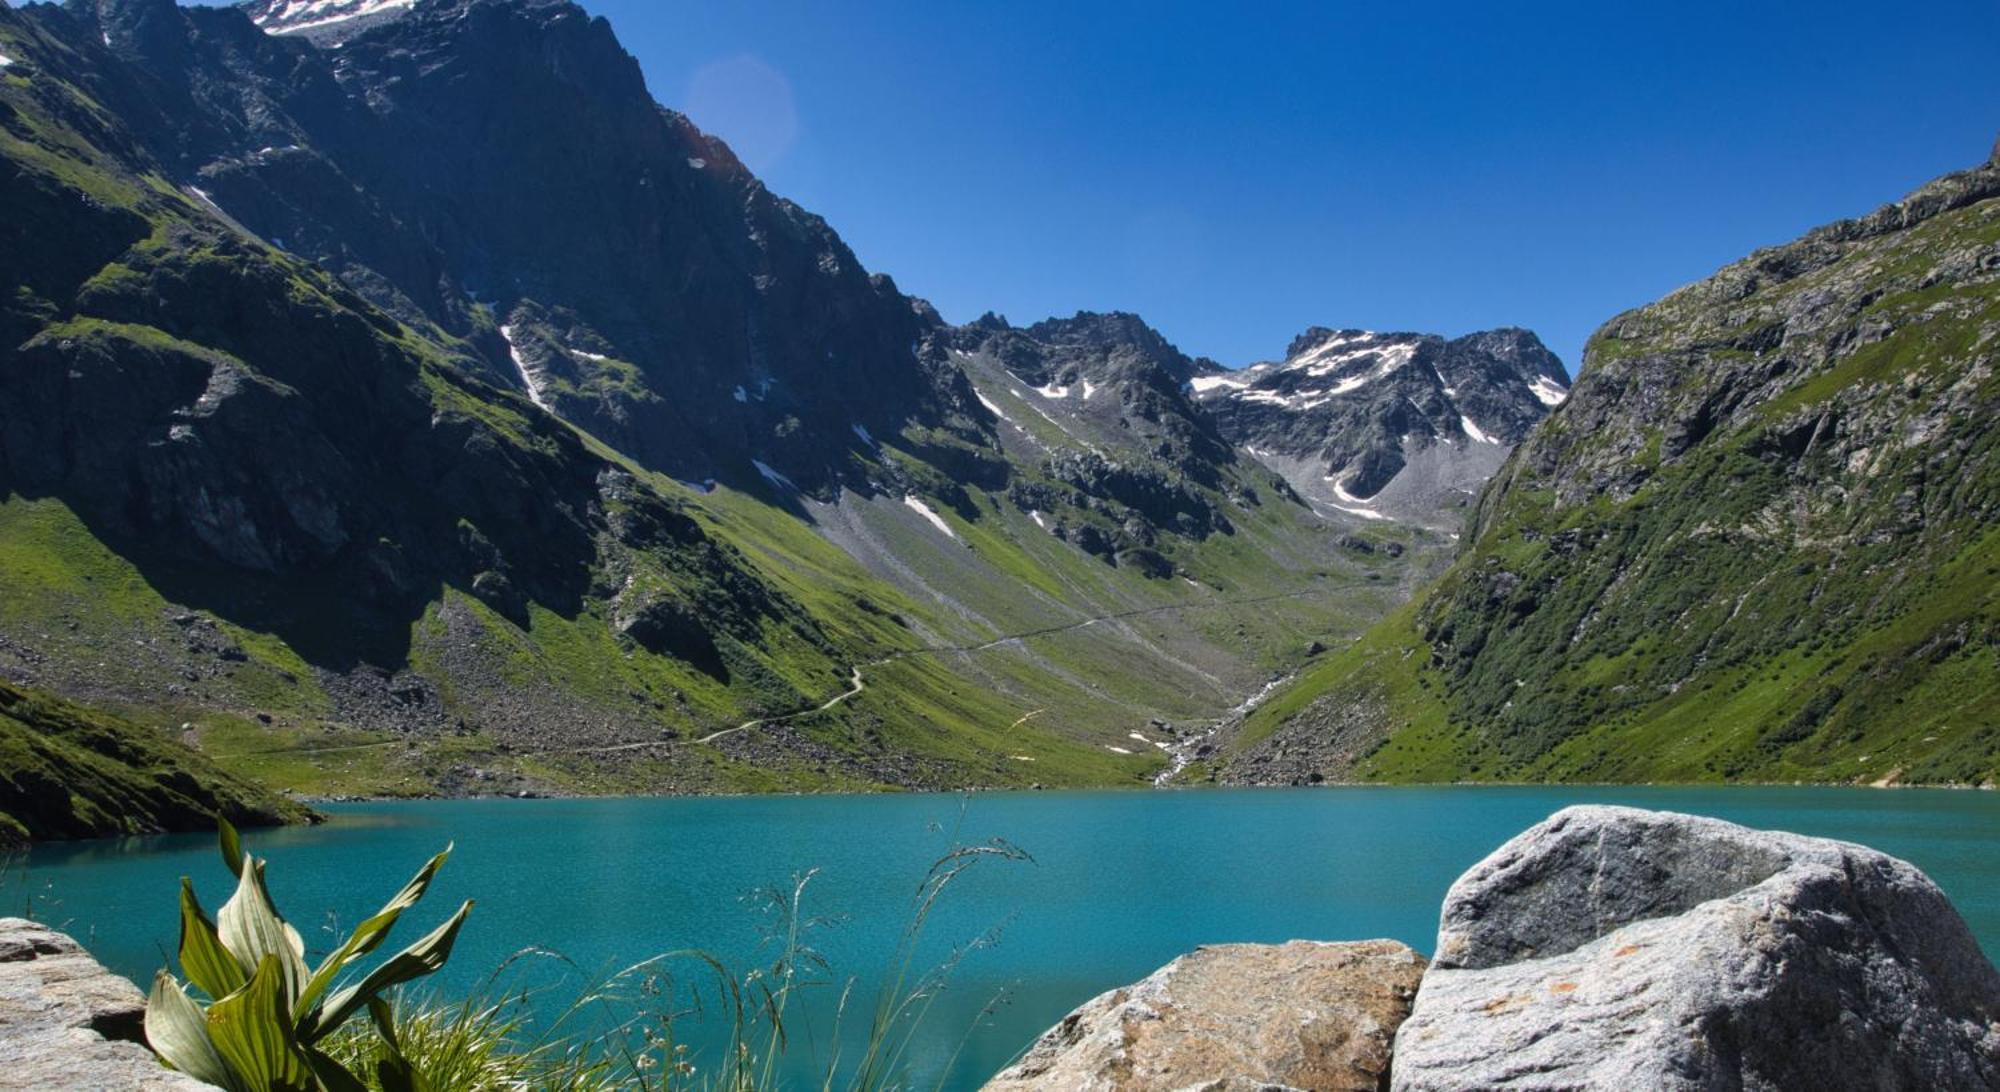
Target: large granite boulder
x,y
1301,1015
1617,948
66,1022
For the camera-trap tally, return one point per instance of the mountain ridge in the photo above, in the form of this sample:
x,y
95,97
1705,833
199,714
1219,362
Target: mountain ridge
x,y
1755,544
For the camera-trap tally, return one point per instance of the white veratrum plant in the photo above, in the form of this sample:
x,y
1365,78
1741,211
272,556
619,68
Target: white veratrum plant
x,y
260,1031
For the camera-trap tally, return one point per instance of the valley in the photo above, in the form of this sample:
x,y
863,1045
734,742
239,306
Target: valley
x,y
563,457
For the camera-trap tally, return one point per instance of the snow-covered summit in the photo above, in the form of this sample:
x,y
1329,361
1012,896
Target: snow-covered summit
x,y
323,17
1388,425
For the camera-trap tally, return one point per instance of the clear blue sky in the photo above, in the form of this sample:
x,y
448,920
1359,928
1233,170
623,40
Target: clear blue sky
x,y
1237,172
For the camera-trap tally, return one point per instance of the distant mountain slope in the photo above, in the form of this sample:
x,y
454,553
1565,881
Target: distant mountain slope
x,y
1379,426
1760,541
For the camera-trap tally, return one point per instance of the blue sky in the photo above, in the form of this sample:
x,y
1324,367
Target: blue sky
x,y
1237,172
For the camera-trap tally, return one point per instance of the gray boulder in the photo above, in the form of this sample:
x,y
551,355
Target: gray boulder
x,y
1234,1018
1617,948
66,1022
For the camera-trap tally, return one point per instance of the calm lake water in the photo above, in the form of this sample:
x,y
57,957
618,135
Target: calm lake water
x,y
1120,882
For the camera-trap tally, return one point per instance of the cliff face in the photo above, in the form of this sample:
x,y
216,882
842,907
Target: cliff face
x,y
1758,541
498,168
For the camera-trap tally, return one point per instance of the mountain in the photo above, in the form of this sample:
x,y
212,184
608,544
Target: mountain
x,y
410,404
1758,542
1388,426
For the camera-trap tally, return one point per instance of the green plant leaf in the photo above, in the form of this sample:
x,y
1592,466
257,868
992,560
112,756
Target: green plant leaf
x,y
252,1030
331,1075
249,926
393,1069
232,845
423,957
371,933
178,1032
204,960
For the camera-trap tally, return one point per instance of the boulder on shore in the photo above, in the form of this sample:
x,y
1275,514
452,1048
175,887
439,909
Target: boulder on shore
x,y
1302,1015
66,1022
1611,947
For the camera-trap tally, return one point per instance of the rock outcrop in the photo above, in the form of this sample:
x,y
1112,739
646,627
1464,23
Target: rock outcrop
x,y
66,1022
1615,948
1235,1016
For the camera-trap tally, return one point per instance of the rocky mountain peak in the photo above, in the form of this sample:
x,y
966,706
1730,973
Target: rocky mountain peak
x,y
1388,425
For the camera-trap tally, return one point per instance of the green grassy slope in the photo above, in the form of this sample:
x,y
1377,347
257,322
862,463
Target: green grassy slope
x,y
1759,543
70,771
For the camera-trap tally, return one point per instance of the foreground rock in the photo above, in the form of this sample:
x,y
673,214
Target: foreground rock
x,y
1235,1016
66,1022
1616,948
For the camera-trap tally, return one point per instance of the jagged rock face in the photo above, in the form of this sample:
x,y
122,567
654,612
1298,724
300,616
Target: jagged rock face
x,y
1112,369
1617,948
499,168
1301,1015
1119,453
1388,424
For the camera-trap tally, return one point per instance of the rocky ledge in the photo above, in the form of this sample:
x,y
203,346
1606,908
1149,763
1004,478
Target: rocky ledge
x,y
66,1022
1604,947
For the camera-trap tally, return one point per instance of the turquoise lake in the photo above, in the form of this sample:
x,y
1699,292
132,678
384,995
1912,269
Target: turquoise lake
x,y
1120,883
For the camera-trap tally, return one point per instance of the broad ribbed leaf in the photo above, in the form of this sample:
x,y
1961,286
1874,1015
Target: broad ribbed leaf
x,y
371,933
252,1030
419,959
178,1032
204,960
251,929
232,845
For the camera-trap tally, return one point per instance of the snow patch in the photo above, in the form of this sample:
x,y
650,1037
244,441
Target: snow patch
x,y
294,16
599,357
1089,389
5,60
1052,391
1353,506
521,369
740,394
915,504
697,162
1205,383
772,476
1116,750
1039,521
991,406
1472,430
1548,391
862,431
